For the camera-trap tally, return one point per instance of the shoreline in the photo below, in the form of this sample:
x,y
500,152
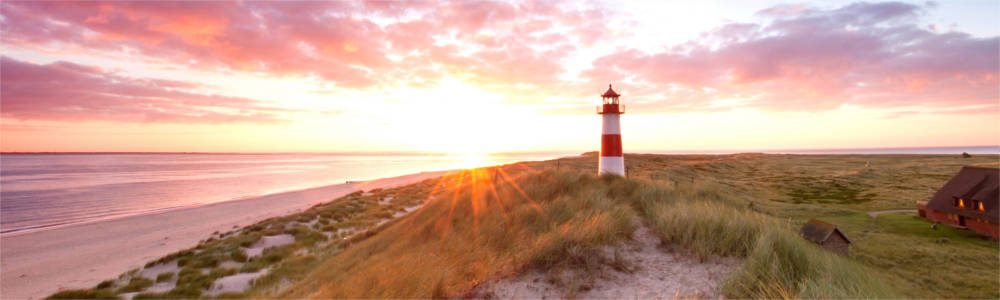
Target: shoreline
x,y
19,231
39,262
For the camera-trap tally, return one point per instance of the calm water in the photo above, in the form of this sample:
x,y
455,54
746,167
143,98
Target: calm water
x,y
915,150
42,190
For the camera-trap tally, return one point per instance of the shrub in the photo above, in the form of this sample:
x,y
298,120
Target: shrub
x,y
105,284
247,240
192,279
221,272
205,261
165,277
238,255
232,295
152,296
275,254
307,237
84,294
136,284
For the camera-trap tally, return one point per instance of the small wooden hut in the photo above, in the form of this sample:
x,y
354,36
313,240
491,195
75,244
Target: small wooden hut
x,y
827,236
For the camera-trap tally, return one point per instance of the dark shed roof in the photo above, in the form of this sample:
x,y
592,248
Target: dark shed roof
x,y
818,231
971,183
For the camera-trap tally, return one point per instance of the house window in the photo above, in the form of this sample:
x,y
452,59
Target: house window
x,y
959,203
979,206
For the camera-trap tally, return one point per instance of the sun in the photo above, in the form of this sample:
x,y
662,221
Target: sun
x,y
469,160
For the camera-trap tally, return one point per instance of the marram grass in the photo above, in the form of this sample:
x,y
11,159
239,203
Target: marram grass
x,y
483,224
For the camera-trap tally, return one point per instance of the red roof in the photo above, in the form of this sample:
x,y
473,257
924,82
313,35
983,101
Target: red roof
x,y
610,93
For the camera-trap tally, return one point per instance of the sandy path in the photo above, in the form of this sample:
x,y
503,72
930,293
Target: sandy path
x,y
876,213
657,274
36,264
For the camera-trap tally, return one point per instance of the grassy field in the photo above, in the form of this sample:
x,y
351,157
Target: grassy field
x,y
487,226
482,224
840,189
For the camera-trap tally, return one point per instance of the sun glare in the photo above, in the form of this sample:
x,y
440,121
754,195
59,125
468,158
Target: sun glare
x,y
471,160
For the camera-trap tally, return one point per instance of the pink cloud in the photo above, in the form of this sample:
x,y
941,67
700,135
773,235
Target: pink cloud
x,y
797,58
870,54
63,91
337,41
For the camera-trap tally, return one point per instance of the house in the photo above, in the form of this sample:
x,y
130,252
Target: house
x,y
969,200
827,236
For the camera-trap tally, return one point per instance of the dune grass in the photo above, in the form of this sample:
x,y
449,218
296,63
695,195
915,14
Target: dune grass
x,y
479,224
483,224
777,263
85,294
899,248
552,219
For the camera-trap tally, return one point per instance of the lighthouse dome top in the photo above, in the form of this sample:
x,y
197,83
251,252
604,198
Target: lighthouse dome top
x,y
610,93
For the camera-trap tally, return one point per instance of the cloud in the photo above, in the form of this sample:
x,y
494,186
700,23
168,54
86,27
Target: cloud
x,y
63,91
803,58
797,57
347,43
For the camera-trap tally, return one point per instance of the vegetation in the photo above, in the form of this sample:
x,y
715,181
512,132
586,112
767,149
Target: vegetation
x,y
216,256
901,249
777,263
135,284
556,219
476,225
84,294
483,224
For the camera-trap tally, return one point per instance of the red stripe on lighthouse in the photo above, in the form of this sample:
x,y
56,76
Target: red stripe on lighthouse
x,y
611,145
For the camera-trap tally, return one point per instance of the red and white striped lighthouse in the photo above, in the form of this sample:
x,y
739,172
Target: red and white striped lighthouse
x,y
611,161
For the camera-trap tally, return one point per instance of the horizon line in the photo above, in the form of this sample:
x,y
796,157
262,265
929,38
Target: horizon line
x,y
401,153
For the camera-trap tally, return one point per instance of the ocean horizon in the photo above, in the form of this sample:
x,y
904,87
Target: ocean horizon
x,y
49,190
987,149
42,190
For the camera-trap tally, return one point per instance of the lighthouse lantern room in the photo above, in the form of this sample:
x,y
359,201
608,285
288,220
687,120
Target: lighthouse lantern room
x,y
612,161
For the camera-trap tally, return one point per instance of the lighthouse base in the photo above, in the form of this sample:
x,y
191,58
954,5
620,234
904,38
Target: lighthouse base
x,y
611,165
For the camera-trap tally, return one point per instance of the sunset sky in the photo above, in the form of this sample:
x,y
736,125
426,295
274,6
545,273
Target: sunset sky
x,y
483,76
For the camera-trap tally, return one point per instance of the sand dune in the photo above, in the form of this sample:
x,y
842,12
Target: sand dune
x,y
36,264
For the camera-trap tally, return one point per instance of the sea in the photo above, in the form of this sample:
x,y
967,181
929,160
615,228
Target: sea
x,y
39,191
900,150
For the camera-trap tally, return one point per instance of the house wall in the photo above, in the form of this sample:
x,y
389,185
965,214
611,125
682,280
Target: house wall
x,y
984,227
940,217
837,244
977,225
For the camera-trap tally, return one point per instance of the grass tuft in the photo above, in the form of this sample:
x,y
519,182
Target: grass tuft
x,y
84,294
136,284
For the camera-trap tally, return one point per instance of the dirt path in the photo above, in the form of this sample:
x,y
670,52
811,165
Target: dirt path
x,y
876,213
656,273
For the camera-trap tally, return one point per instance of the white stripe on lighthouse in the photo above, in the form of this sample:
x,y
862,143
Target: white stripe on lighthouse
x,y
611,125
612,165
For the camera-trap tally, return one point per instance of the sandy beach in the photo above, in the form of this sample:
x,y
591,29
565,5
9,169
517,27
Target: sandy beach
x,y
36,264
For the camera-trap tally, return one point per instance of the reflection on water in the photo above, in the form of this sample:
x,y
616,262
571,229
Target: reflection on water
x,y
39,190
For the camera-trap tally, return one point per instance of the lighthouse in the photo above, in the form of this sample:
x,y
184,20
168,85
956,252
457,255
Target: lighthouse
x,y
611,161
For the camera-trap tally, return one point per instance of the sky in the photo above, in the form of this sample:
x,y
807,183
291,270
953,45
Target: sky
x,y
495,76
